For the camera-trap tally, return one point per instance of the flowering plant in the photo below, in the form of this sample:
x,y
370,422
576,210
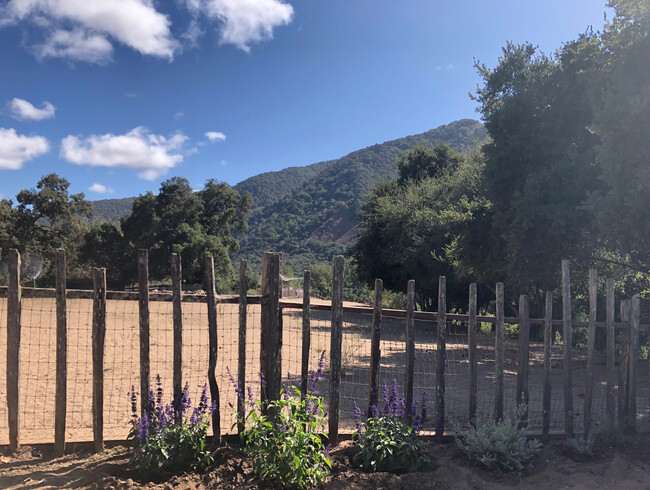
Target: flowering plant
x,y
286,448
387,439
170,438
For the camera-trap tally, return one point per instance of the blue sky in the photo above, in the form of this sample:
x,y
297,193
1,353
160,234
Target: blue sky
x,y
118,96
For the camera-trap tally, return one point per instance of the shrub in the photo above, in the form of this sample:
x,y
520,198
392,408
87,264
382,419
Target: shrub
x,y
170,438
501,446
385,441
286,448
582,445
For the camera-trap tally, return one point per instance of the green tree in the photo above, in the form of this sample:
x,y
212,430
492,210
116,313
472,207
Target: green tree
x,y
45,219
178,220
410,228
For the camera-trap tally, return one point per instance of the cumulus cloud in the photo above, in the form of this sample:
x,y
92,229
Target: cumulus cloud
x,y
23,110
244,22
100,189
84,31
15,149
151,154
215,136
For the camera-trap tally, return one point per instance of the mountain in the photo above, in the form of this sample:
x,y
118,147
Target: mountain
x,y
310,213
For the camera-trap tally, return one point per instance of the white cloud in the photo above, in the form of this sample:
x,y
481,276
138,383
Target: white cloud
x,y
15,149
244,22
23,110
101,189
83,31
131,95
215,136
151,154
77,45
448,67
223,163
179,115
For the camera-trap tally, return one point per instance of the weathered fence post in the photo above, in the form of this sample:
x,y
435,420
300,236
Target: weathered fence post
x,y
61,355
410,348
442,357
635,320
524,356
271,333
375,349
624,365
177,314
591,346
336,343
241,365
213,347
611,351
306,331
499,354
548,342
13,347
472,330
98,338
143,307
567,334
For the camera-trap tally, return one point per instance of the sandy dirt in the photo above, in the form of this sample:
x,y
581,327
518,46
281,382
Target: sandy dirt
x,y
121,367
626,466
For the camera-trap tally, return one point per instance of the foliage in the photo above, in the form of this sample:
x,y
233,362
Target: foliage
x,y
387,440
46,218
176,220
170,438
501,446
582,445
283,438
423,226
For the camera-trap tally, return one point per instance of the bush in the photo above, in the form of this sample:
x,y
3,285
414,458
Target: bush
x,y
385,441
170,438
286,449
582,445
501,446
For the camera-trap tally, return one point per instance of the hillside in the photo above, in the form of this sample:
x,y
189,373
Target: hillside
x,y
310,213
313,215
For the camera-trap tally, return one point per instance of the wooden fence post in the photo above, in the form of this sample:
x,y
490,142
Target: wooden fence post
x,y
98,338
271,333
472,330
591,346
61,356
177,313
548,342
13,347
611,352
635,320
623,366
213,347
306,331
524,356
143,307
410,348
241,365
375,347
499,354
567,334
336,343
442,357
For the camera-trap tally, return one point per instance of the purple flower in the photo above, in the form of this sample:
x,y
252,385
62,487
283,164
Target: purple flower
x,y
143,429
357,420
203,403
316,376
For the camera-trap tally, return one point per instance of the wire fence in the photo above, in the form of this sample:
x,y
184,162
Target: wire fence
x,y
122,365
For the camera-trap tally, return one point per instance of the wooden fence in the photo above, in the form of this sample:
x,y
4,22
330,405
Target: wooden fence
x,y
624,383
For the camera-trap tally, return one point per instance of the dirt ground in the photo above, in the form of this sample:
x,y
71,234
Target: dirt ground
x,y
625,466
122,367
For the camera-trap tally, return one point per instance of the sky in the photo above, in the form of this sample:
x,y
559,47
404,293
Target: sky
x,y
119,95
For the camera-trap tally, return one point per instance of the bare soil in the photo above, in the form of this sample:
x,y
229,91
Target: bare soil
x,y
625,466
